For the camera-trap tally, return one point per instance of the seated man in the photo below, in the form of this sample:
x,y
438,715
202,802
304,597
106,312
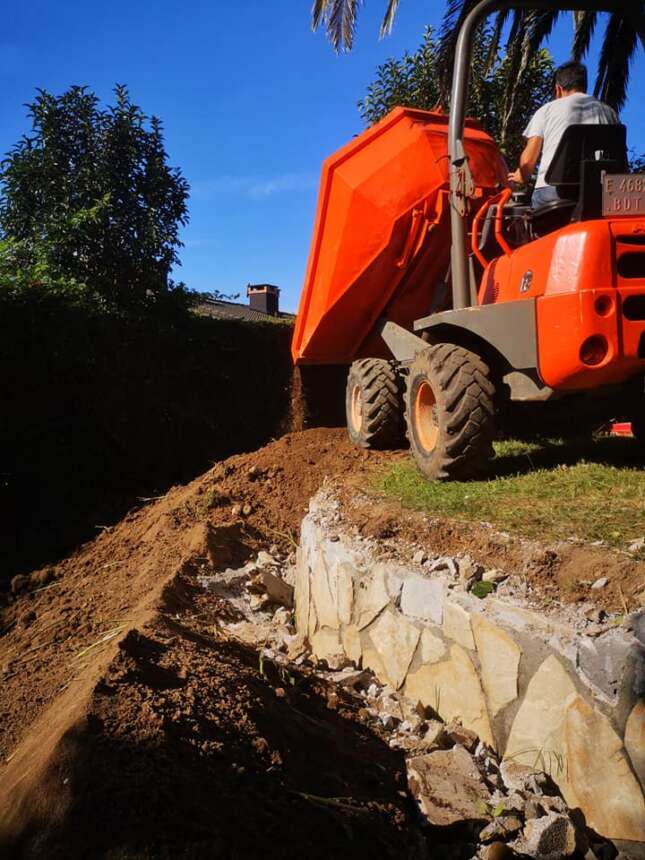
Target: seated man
x,y
572,106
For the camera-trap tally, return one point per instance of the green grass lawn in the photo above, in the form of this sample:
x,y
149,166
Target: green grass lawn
x,y
593,490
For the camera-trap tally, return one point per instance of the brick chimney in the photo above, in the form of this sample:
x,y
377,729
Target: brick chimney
x,y
264,298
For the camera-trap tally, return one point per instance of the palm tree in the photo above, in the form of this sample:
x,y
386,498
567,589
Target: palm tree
x,y
528,30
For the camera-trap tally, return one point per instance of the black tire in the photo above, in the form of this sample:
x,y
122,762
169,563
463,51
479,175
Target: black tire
x,y
373,404
450,413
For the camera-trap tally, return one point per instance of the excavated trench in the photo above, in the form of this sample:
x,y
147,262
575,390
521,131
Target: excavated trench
x,y
160,698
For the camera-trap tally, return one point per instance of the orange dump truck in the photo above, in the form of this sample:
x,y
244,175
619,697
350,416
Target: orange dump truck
x,y
456,307
382,233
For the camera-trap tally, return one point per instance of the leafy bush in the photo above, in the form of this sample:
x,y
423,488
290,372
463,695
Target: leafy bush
x,y
89,205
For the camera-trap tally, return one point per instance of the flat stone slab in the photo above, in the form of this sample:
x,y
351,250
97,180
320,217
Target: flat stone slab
x,y
530,684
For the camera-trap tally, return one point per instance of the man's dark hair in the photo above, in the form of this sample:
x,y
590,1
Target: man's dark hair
x,y
572,76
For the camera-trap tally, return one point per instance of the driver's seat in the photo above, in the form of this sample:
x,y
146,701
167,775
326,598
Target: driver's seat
x,y
584,153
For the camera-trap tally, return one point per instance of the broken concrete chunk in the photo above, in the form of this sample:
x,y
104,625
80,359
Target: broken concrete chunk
x,y
446,563
353,678
435,735
497,851
448,786
515,775
296,646
600,583
460,735
276,589
469,571
551,837
495,575
501,828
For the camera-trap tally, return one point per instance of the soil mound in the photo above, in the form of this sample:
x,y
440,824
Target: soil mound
x,y
129,728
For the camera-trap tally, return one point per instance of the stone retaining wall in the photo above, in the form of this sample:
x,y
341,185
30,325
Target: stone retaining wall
x,y
534,686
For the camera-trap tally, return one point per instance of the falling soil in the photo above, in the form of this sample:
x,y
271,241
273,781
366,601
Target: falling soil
x,y
131,727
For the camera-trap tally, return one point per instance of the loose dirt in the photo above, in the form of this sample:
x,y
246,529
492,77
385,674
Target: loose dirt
x,y
555,572
130,727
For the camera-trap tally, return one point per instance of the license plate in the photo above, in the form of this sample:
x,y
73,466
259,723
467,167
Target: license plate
x,y
623,194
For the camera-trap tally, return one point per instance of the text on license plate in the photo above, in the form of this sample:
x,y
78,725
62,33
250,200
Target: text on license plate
x,y
623,194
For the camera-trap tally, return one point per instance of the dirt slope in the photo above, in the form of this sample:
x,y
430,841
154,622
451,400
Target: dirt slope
x,y
128,728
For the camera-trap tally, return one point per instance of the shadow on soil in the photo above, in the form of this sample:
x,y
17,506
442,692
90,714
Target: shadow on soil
x,y
230,769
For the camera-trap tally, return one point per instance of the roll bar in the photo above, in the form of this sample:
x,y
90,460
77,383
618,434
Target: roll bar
x,y
459,173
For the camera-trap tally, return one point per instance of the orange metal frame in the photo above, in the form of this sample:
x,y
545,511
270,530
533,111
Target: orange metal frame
x,y
382,241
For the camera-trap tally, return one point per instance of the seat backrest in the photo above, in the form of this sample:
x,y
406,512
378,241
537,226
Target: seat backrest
x,y
589,142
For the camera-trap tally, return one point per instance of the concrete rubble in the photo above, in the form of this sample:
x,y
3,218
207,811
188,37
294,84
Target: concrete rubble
x,y
552,687
474,802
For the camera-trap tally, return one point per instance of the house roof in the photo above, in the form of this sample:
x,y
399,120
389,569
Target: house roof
x,y
234,310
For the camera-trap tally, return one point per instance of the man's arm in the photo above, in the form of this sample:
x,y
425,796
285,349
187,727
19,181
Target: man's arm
x,y
528,159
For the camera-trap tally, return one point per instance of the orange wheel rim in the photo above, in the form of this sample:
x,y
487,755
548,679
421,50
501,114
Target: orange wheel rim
x,y
356,410
425,424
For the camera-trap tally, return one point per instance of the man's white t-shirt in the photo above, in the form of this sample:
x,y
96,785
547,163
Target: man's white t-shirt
x,y
551,120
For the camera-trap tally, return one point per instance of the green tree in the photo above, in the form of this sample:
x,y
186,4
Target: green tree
x,y
415,81
528,31
88,198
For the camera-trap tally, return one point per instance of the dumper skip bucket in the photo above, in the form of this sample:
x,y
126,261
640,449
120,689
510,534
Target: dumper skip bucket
x,y
381,238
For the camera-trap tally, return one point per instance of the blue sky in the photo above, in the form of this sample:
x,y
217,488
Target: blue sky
x,y
251,100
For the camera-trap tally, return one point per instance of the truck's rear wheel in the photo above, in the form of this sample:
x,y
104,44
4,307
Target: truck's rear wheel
x,y
450,412
373,404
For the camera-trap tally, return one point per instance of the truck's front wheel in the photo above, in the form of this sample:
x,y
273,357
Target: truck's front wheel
x,y
450,412
373,404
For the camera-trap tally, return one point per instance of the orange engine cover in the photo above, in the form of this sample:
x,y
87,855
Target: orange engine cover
x,y
588,280
381,236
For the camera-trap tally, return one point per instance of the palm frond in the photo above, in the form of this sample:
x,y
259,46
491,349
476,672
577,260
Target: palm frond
x,y
317,12
496,36
618,49
339,19
388,20
517,62
518,28
585,24
539,24
456,12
